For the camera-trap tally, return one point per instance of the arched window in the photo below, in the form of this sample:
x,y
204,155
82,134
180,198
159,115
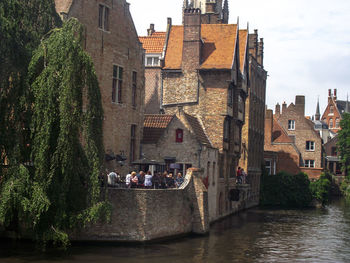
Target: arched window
x,y
337,123
179,135
330,123
331,109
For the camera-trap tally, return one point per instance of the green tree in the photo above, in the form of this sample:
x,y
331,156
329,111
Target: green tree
x,y
344,142
67,151
22,25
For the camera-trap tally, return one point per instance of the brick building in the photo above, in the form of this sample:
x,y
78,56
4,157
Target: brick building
x,y
252,157
153,44
332,157
180,142
112,42
302,136
334,111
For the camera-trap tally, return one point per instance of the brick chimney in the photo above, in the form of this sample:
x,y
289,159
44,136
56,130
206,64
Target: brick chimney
x,y
335,94
278,109
284,107
268,127
192,43
300,104
151,30
329,96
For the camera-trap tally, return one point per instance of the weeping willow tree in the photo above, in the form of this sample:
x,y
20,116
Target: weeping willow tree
x,y
67,146
22,25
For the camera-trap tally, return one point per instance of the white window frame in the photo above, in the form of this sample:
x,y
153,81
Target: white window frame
x,y
105,23
309,163
310,146
291,125
153,57
118,84
269,168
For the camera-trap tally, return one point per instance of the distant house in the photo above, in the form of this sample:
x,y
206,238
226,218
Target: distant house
x,y
180,142
332,157
297,132
334,111
112,42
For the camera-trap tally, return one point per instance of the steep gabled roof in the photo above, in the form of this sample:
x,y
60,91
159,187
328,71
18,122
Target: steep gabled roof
x,y
219,42
63,6
279,135
154,43
341,106
197,129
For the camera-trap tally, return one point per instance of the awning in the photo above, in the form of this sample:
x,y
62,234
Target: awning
x,y
145,161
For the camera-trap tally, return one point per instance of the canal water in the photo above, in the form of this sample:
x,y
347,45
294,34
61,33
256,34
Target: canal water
x,y
256,235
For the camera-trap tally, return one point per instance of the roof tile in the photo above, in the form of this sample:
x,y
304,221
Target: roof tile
x,y
153,43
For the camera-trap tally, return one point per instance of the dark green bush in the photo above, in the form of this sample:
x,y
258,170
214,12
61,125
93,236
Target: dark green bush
x,y
321,189
285,190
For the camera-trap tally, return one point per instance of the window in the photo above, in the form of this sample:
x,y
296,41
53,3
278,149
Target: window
x,y
240,104
331,109
230,96
268,166
330,123
179,135
310,163
152,61
134,88
226,130
103,17
310,146
208,173
117,84
213,175
291,125
337,123
132,142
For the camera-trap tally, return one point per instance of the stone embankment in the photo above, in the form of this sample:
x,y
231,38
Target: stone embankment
x,y
142,215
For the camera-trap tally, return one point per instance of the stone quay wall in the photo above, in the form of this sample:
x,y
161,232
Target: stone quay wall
x,y
143,215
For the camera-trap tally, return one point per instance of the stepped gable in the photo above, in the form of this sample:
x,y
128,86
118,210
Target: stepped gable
x,y
153,43
197,129
154,126
219,41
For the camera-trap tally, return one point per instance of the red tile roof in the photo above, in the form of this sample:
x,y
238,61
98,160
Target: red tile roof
x,y
153,43
218,48
154,126
157,120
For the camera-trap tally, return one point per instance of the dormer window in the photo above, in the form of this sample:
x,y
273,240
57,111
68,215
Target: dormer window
x,y
179,135
152,61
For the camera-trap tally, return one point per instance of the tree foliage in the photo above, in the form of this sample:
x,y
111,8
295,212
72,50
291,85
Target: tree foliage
x,y
22,25
321,189
344,143
285,190
66,122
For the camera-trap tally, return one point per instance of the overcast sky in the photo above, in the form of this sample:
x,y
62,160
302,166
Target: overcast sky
x,y
307,42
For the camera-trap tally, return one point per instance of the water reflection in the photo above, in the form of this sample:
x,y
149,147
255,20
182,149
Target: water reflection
x,y
257,235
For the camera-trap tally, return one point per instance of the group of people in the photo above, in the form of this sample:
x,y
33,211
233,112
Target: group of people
x,y
145,180
241,176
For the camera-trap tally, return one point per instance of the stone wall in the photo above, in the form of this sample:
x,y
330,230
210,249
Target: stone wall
x,y
143,215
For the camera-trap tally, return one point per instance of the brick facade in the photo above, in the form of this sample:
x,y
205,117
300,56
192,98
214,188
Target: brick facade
x,y
113,42
302,132
252,156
